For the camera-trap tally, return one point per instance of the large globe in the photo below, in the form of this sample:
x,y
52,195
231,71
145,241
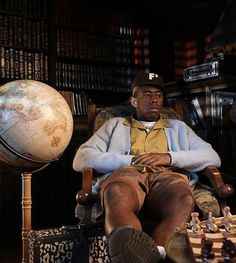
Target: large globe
x,y
36,125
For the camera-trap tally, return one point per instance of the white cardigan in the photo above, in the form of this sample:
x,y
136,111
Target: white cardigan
x,y
108,149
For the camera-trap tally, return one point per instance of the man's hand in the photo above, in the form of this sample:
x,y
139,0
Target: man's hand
x,y
153,159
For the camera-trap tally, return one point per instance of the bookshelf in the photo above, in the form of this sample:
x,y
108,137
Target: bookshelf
x,y
69,46
23,40
206,107
98,58
86,53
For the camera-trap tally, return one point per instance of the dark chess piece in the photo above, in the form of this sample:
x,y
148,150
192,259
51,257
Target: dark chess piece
x,y
206,252
228,250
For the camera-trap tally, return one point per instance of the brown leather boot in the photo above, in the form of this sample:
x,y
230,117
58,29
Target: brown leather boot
x,y
178,248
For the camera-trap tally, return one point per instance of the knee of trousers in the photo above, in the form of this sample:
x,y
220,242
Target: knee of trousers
x,y
174,193
182,191
121,195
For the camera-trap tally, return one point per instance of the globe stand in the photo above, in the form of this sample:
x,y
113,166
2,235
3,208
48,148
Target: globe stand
x,y
26,205
26,208
26,198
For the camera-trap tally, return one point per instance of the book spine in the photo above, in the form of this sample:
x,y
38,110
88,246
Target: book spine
x,y
21,64
2,63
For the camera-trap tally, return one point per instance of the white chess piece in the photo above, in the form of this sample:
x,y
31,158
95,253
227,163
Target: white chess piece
x,y
226,221
211,223
195,222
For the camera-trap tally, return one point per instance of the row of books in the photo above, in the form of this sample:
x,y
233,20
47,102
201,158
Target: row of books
x,y
75,44
23,32
20,64
86,77
219,110
78,102
88,19
98,54
24,45
33,8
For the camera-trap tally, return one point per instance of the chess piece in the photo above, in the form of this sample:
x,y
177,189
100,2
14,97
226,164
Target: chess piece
x,y
206,249
228,250
195,222
211,223
226,221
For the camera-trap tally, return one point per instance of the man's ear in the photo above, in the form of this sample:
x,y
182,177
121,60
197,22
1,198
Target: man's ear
x,y
133,101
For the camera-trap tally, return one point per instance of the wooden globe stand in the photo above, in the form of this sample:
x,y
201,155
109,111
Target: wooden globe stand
x,y
26,200
26,208
26,205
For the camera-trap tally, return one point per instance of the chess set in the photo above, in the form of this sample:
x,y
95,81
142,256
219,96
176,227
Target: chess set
x,y
214,239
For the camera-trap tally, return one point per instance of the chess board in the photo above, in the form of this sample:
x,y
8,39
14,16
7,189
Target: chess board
x,y
215,237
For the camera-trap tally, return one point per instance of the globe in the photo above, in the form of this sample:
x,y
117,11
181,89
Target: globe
x,y
36,125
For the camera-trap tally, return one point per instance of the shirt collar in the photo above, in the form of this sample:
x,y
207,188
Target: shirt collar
x,y
132,122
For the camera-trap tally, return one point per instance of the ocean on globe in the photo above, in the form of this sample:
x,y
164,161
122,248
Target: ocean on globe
x,y
36,125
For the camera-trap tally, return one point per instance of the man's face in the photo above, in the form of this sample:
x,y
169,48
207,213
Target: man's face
x,y
148,101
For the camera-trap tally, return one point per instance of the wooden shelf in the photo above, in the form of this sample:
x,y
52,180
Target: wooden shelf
x,y
175,89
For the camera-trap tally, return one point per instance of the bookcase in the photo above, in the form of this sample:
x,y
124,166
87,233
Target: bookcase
x,y
69,46
87,53
23,55
98,51
209,108
23,40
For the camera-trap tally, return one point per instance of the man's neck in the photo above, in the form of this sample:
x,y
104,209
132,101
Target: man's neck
x,y
140,119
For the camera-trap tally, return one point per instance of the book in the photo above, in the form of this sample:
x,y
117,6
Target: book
x,y
199,106
2,62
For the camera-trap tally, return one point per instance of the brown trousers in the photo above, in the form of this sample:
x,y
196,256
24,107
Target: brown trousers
x,y
165,195
145,184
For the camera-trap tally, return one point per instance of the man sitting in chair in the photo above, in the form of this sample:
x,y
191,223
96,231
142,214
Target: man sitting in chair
x,y
137,158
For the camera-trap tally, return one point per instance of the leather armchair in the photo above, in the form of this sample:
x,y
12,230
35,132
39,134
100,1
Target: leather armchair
x,y
86,200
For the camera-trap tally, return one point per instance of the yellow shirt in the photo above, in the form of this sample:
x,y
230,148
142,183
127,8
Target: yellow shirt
x,y
143,141
154,141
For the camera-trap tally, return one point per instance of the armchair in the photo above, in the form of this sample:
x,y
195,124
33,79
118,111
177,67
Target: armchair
x,y
207,198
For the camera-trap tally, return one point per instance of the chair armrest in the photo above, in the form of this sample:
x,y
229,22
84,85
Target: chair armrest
x,y
224,191
84,196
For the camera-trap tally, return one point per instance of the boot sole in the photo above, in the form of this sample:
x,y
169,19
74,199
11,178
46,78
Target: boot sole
x,y
128,245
